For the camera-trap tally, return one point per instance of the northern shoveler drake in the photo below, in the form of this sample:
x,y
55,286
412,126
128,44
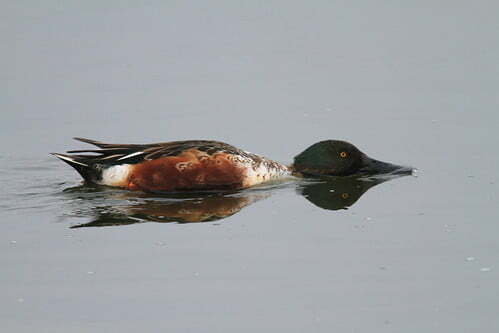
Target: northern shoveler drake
x,y
199,165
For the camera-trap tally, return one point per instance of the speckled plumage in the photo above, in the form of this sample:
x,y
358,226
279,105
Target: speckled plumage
x,y
173,166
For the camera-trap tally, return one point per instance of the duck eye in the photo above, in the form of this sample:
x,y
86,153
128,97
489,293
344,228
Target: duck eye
x,y
343,154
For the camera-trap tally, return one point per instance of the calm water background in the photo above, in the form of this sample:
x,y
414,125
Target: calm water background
x,y
413,83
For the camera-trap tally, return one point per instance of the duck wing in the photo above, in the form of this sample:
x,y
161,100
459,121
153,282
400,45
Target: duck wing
x,y
112,154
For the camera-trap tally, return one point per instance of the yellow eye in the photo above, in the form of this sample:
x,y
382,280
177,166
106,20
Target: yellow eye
x,y
343,154
345,195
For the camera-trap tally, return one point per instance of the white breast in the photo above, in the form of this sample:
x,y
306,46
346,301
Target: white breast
x,y
265,171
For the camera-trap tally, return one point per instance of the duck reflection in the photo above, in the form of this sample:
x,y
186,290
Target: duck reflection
x,y
173,208
334,193
331,193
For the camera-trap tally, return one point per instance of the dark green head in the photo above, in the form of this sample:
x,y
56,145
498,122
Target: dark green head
x,y
340,158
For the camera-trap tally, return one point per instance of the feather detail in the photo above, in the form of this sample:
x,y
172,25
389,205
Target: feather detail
x,y
172,166
130,155
69,159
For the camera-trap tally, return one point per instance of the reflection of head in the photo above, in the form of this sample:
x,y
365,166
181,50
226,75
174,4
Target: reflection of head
x,y
335,193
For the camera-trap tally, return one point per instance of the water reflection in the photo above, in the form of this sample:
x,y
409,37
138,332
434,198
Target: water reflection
x,y
130,208
115,207
334,193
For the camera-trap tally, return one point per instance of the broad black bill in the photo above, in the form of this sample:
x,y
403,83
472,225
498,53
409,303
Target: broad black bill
x,y
371,166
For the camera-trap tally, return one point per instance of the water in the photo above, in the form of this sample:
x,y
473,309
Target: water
x,y
410,84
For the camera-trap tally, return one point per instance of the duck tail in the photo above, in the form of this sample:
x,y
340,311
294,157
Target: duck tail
x,y
78,163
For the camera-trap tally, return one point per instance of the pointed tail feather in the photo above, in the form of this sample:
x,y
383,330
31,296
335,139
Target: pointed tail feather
x,y
85,170
92,142
109,145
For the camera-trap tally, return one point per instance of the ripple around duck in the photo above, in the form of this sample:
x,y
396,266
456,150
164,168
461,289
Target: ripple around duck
x,y
106,206
28,188
28,185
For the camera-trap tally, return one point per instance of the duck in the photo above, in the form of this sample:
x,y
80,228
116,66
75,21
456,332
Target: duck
x,y
206,165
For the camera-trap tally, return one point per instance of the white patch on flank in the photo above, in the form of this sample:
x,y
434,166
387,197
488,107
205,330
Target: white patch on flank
x,y
130,155
115,175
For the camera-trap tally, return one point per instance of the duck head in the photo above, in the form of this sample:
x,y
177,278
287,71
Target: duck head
x,y
341,158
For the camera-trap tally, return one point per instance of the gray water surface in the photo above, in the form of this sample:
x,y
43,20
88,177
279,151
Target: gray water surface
x,y
414,84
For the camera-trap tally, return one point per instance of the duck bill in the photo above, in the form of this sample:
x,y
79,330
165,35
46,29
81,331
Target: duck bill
x,y
373,167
